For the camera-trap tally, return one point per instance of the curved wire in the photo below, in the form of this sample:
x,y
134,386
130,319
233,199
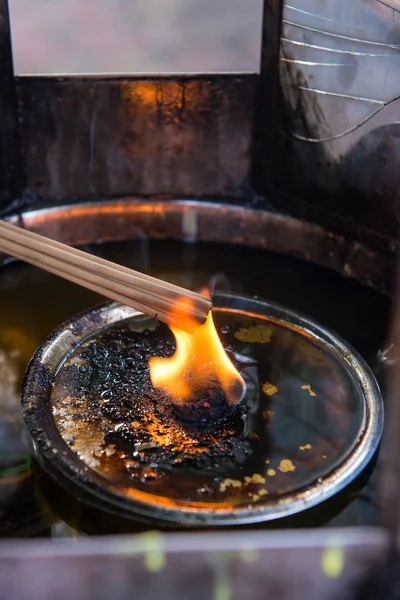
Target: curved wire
x,y
351,130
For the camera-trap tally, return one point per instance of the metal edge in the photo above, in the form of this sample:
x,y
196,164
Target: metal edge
x,y
101,76
269,230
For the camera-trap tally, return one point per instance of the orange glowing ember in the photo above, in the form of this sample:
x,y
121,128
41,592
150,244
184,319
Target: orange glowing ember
x,y
199,359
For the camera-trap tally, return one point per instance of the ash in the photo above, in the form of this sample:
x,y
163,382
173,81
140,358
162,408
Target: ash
x,y
142,424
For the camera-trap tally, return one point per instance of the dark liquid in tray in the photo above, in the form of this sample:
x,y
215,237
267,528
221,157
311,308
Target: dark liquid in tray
x,y
32,303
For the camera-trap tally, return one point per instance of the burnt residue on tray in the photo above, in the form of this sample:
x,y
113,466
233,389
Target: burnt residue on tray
x,y
109,412
299,418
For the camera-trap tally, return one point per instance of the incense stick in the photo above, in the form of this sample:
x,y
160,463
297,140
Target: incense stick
x,y
147,294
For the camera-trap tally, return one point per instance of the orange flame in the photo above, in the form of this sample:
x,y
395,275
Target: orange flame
x,y
199,358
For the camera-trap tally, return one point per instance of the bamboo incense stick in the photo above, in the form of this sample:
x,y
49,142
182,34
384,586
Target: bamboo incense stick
x,y
169,303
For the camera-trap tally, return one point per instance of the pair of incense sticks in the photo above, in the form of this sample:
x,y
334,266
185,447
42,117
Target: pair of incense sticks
x,y
164,301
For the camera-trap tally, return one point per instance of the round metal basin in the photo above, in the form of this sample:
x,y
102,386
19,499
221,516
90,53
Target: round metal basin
x,y
313,420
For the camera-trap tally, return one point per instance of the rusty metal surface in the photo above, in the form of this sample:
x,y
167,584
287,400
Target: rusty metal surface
x,y
166,135
212,222
253,565
285,565
201,136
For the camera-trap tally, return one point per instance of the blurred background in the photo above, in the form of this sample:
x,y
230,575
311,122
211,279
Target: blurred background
x,y
127,36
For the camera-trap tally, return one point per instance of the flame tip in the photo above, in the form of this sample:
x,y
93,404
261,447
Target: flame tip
x,y
199,358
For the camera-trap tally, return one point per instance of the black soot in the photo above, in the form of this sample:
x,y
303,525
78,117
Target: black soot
x,y
111,383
